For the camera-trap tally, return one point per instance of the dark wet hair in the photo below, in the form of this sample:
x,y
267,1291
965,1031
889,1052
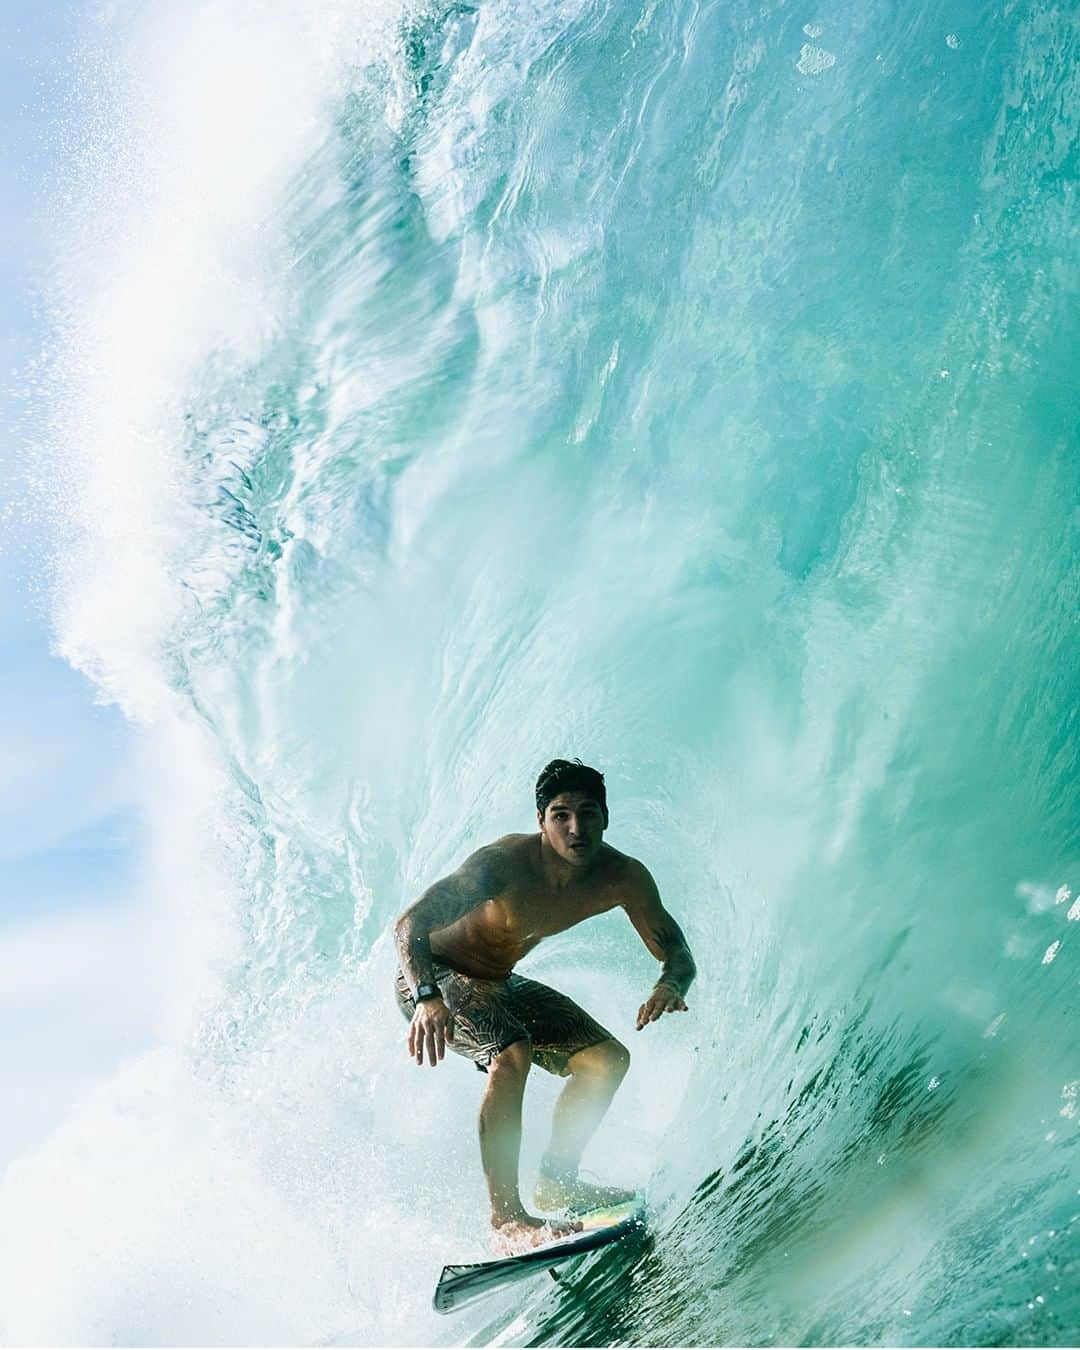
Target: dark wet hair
x,y
570,775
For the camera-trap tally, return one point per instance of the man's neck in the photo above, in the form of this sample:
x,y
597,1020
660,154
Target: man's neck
x,y
560,875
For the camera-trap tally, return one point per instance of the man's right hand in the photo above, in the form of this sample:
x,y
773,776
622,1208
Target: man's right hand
x,y
431,1027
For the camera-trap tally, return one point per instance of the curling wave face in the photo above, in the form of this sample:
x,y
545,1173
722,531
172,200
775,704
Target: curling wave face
x,y
689,388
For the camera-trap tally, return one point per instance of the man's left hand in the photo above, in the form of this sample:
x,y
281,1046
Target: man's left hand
x,y
663,999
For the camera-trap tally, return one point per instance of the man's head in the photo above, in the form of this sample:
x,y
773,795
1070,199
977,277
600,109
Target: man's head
x,y
571,806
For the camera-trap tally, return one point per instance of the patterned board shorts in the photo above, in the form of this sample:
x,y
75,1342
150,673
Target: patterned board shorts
x,y
489,1015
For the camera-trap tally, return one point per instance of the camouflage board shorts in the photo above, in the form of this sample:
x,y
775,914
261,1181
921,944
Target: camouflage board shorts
x,y
489,1015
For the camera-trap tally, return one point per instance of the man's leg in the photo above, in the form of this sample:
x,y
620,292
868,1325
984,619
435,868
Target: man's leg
x,y
500,1150
500,1129
595,1075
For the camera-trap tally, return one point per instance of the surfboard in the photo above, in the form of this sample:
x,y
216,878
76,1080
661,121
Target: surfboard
x,y
461,1284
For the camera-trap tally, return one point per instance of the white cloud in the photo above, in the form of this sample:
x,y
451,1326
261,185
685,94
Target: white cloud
x,y
78,995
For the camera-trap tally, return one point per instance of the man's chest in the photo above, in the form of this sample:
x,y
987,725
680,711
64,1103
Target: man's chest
x,y
535,914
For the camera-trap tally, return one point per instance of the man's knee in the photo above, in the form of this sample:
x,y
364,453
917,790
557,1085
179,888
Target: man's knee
x,y
617,1056
514,1059
609,1059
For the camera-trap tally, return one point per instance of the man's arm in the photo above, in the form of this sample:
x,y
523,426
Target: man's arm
x,y
664,939
480,877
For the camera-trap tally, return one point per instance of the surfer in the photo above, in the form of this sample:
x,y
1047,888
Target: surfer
x,y
459,944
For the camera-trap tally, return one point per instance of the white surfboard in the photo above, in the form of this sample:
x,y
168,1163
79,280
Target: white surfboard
x,y
461,1284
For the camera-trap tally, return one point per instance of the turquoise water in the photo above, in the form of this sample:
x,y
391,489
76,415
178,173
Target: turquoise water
x,y
691,388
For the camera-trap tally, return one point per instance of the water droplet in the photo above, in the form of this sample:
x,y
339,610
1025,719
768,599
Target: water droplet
x,y
951,40
1051,952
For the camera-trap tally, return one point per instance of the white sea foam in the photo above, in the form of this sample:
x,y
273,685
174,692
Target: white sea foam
x,y
191,131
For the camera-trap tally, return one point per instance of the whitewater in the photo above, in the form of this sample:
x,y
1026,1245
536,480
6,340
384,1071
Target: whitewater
x,y
437,389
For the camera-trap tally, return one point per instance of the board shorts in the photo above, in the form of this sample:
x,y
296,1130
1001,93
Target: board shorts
x,y
489,1015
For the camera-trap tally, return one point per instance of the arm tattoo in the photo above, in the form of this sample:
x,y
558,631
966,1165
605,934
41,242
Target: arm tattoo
x,y
666,935
678,969
478,879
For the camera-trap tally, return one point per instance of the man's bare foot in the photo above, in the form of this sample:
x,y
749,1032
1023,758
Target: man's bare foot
x,y
578,1196
525,1232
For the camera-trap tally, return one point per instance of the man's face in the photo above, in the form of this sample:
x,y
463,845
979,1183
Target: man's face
x,y
573,824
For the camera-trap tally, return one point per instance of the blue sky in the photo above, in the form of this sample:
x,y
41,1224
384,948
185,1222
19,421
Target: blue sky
x,y
76,995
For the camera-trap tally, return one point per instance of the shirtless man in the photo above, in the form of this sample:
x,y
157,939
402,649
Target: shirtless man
x,y
458,946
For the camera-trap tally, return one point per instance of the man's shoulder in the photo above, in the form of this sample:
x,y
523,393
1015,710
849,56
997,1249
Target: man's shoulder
x,y
508,854
628,873
511,845
622,862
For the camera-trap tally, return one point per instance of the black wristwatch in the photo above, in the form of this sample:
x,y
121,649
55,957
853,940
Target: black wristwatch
x,y
426,991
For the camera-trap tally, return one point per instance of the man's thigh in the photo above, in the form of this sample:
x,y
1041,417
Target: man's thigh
x,y
557,1026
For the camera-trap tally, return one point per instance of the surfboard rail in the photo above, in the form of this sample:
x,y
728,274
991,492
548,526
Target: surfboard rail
x,y
460,1284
